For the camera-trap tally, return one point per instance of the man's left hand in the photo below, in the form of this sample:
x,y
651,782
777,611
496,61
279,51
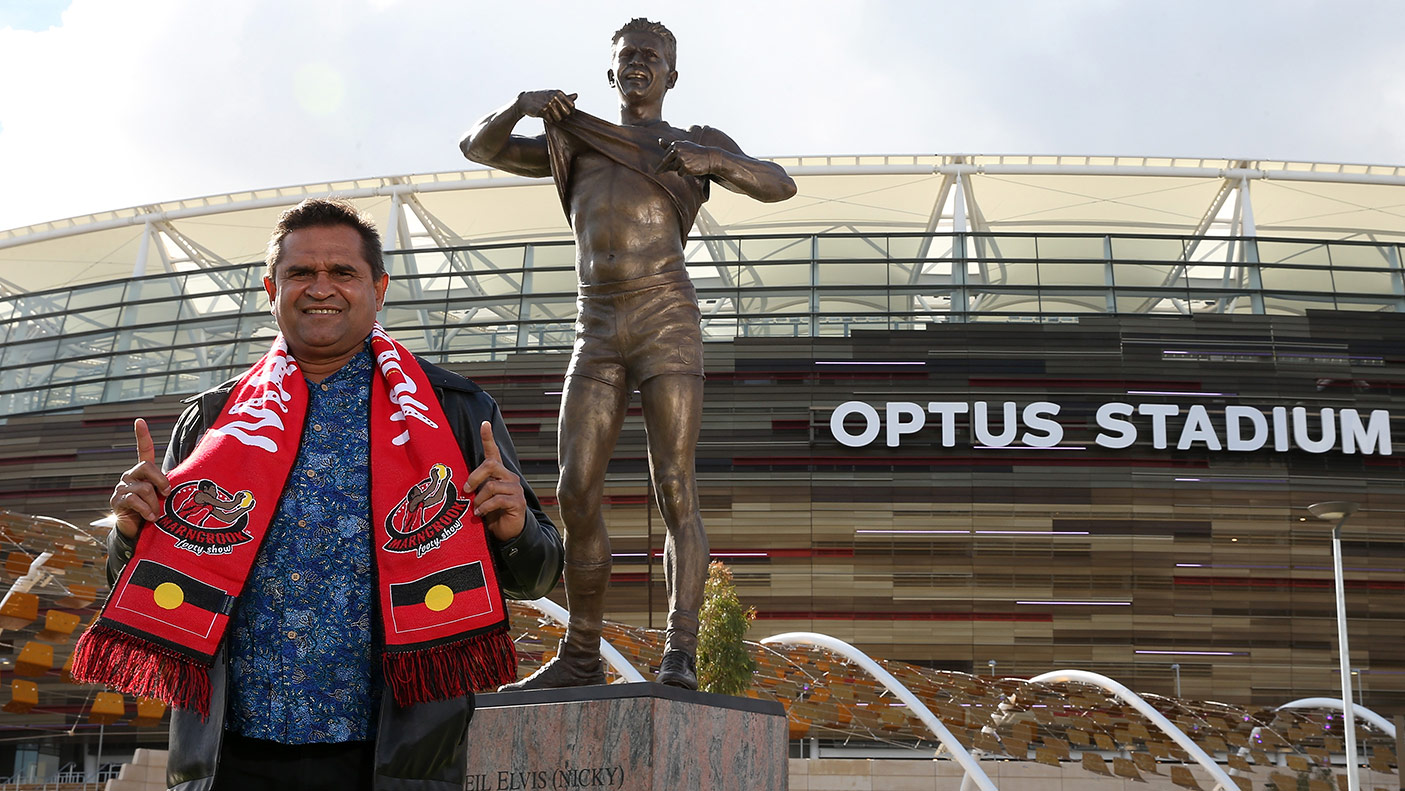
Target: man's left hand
x,y
686,157
497,491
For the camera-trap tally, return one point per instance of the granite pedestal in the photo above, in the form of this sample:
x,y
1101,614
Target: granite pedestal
x,y
630,737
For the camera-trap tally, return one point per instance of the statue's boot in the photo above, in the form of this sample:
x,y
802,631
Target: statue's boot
x,y
577,662
679,665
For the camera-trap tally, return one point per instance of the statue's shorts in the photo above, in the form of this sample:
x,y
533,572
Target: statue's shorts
x,y
633,330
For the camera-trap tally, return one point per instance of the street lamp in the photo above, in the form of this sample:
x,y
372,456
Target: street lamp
x,y
991,662
1176,668
1339,511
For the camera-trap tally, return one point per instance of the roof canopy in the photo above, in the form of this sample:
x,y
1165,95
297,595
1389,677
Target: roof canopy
x,y
1038,194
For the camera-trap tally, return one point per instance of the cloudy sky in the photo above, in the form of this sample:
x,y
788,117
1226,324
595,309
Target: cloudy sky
x,y
106,104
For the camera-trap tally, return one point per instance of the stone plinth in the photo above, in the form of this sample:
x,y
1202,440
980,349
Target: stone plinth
x,y
626,737
145,772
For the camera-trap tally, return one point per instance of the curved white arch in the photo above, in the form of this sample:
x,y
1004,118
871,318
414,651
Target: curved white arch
x,y
1157,718
1381,723
1364,713
612,655
958,752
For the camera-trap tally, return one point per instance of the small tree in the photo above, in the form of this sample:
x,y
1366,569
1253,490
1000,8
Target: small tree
x,y
724,665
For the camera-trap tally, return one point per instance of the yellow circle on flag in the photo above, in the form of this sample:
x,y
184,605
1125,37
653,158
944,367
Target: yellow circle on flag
x,y
169,595
439,598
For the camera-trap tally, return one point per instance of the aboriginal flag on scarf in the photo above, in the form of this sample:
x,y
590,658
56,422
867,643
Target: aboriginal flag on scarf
x,y
443,619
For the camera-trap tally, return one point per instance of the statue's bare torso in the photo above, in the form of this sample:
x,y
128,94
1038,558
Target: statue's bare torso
x,y
626,226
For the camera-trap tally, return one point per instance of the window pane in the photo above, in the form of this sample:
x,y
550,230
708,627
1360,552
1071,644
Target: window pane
x,y
1283,279
499,257
91,319
855,247
95,296
553,255
553,280
852,273
549,308
1362,255
1080,274
1001,247
1293,253
1366,282
1297,305
149,313
1169,249
763,275
1072,301
1071,247
776,249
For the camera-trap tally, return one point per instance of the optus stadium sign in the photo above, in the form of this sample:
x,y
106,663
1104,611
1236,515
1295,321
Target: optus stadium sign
x,y
1242,429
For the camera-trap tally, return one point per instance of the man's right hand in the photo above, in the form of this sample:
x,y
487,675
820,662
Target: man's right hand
x,y
136,498
547,105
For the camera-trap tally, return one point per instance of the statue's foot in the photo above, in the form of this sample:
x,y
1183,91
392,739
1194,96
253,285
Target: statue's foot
x,y
678,669
564,670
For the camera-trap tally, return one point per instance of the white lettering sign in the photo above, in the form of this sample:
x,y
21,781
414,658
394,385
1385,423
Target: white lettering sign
x,y
1236,428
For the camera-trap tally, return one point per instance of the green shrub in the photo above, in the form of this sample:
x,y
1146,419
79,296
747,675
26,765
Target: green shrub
x,y
724,665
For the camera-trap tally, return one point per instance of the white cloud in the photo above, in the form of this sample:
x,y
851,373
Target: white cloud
x,y
139,102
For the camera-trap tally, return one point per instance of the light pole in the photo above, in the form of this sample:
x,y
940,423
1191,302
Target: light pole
x,y
1177,669
1339,511
1360,682
991,662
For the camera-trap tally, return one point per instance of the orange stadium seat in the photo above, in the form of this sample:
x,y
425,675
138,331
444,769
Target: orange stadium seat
x,y
107,708
149,712
35,659
19,610
24,695
58,626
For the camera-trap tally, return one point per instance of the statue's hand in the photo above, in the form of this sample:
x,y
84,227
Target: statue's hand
x,y
686,157
547,105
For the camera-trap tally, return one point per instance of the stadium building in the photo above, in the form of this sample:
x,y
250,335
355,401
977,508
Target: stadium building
x,y
995,415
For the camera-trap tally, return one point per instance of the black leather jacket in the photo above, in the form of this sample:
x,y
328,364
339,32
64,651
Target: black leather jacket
x,y
418,747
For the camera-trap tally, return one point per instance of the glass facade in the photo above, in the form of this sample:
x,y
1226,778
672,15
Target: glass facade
x,y
177,333
1112,549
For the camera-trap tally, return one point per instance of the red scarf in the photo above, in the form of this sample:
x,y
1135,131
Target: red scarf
x,y
442,614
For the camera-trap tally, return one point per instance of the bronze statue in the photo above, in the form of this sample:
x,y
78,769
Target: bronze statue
x,y
631,193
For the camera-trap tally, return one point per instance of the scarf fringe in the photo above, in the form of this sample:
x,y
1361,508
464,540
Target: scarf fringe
x,y
130,664
478,663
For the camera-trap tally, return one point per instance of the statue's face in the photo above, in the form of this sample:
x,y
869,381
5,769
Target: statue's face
x,y
642,73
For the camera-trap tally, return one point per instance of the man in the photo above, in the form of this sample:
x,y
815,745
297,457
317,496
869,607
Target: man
x,y
631,194
296,691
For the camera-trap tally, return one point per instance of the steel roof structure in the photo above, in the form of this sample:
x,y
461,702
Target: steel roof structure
x,y
860,194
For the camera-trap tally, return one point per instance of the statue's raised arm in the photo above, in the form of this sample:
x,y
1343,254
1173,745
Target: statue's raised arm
x,y
491,141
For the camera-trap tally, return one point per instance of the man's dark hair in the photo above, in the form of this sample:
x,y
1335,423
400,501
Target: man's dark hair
x,y
642,25
319,213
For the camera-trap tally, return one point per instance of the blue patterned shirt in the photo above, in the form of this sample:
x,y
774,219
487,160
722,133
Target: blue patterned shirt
x,y
301,663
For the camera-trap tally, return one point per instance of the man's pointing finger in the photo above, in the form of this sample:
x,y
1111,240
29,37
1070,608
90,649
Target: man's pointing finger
x,y
490,446
146,449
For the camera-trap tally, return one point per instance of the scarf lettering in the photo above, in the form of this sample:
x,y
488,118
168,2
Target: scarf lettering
x,y
401,389
267,387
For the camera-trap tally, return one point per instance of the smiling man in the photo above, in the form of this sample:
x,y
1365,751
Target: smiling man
x,y
324,641
631,193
